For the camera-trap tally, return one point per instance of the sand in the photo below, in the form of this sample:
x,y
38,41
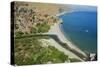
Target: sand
x,y
52,42
55,29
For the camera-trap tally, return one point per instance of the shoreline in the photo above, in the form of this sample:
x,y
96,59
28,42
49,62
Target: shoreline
x,y
55,44
68,38
71,11
71,44
87,50
55,29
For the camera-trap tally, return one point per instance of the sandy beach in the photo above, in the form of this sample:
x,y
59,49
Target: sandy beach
x,y
55,30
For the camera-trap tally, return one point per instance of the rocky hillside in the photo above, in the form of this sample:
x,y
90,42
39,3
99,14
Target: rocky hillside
x,y
32,17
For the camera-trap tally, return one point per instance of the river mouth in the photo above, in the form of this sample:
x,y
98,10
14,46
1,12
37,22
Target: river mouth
x,y
81,28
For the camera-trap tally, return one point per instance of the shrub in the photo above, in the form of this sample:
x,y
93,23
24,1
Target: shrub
x,y
44,27
30,51
33,30
19,33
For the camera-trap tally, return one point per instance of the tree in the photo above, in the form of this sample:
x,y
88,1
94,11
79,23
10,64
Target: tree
x,y
44,27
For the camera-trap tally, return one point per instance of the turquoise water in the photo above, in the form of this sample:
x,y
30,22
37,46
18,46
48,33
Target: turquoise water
x,y
81,28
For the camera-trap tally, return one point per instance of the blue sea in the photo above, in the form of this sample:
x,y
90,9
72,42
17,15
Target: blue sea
x,y
81,28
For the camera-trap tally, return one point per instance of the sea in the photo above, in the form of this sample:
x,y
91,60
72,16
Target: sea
x,y
80,27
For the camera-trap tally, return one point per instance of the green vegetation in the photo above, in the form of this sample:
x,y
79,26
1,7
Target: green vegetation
x,y
33,17
44,27
61,10
16,26
19,33
30,51
33,30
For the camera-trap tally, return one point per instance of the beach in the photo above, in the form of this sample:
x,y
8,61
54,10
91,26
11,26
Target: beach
x,y
55,30
53,43
64,34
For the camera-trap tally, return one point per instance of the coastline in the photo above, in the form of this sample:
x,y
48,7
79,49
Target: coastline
x,y
57,15
69,43
55,29
81,34
68,38
52,42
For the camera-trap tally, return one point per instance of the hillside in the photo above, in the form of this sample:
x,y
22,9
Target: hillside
x,y
31,16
